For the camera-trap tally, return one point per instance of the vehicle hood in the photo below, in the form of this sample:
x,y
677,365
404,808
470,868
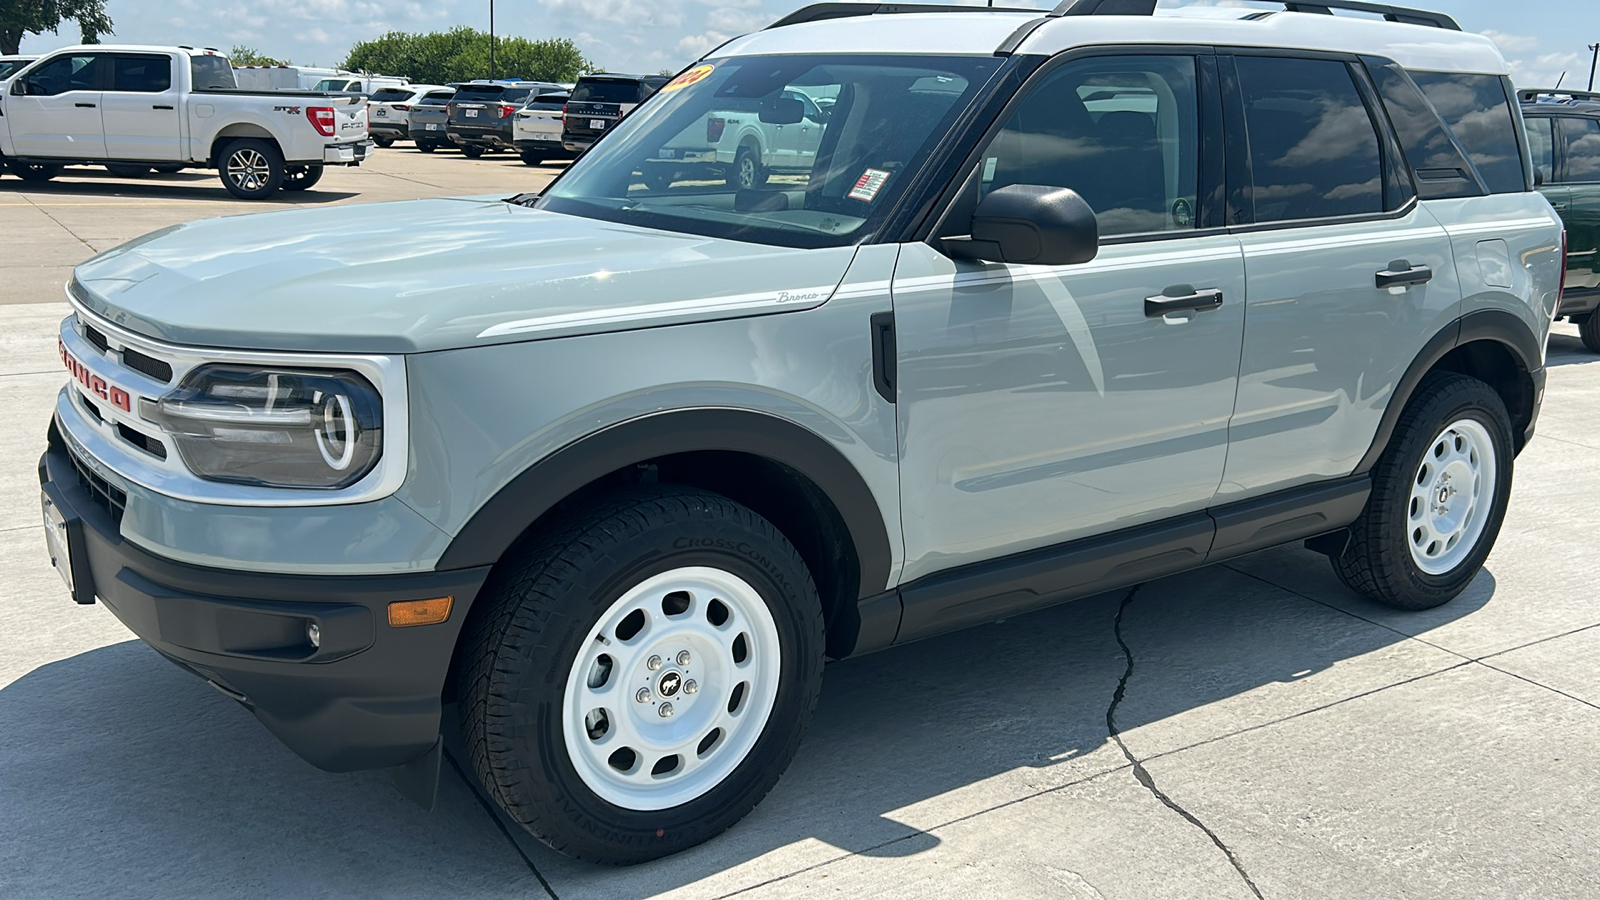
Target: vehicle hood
x,y
432,275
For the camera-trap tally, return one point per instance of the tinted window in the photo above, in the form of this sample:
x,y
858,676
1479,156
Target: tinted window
x,y
211,73
1541,141
62,74
437,98
606,92
513,95
480,92
1478,110
1441,170
390,95
1313,148
8,66
1583,149
1121,131
141,74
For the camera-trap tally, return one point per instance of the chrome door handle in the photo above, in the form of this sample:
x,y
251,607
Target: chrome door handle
x,y
1180,298
1402,272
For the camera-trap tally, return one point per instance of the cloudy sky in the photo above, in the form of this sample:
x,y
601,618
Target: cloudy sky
x,y
1537,36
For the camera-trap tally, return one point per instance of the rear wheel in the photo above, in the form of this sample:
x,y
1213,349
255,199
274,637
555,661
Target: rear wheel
x,y
251,169
635,681
298,178
1438,497
127,170
35,172
747,172
471,151
1589,331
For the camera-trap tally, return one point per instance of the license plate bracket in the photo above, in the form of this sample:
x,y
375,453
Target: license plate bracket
x,y
597,124
63,536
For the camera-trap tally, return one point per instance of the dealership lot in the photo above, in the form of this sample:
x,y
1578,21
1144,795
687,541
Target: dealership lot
x,y
1293,741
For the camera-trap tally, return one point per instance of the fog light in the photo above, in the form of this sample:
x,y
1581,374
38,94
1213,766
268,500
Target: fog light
x,y
314,634
404,613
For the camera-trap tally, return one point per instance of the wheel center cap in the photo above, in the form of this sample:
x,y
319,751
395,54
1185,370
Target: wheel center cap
x,y
1444,495
668,684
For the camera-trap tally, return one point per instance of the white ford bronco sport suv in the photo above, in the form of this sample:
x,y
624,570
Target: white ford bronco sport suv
x,y
1064,302
137,108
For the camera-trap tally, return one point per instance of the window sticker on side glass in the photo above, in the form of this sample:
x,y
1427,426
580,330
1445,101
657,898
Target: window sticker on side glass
x,y
685,79
868,185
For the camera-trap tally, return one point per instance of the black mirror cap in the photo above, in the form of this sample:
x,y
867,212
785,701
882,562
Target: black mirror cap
x,y
782,111
1031,224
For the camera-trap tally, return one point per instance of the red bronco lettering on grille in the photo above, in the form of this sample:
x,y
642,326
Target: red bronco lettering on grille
x,y
93,383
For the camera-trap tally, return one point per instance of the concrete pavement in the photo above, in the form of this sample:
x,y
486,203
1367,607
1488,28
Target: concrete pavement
x,y
1251,729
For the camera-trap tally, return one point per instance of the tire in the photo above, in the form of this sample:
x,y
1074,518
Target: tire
x,y
1589,331
299,178
37,173
555,618
658,178
532,159
1453,440
168,169
250,169
424,148
384,142
747,172
127,170
471,151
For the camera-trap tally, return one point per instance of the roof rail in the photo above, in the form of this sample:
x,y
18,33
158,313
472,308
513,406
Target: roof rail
x,y
1529,95
817,12
1401,14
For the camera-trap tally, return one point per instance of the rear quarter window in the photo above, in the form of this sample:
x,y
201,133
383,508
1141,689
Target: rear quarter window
x,y
1478,110
211,73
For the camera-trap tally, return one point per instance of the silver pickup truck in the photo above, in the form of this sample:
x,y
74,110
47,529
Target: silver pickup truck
x,y
134,108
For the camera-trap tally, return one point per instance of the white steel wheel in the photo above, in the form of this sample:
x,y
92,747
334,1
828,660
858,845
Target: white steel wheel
x,y
672,688
1451,497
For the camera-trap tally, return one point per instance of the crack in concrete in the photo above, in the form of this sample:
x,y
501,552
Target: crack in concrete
x,y
495,817
60,224
1143,775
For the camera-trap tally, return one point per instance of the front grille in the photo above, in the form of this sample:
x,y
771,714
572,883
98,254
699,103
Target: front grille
x,y
149,365
143,441
93,336
106,495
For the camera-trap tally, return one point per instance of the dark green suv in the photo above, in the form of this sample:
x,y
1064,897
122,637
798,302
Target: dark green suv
x,y
1564,136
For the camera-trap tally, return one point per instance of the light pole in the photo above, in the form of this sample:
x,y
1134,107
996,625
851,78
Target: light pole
x,y
1594,54
491,40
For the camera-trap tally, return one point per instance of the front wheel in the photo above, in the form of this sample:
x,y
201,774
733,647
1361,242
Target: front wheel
x,y
1589,331
299,178
636,680
1439,494
35,172
251,169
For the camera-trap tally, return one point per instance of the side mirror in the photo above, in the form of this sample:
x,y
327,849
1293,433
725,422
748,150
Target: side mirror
x,y
1538,176
782,111
1031,224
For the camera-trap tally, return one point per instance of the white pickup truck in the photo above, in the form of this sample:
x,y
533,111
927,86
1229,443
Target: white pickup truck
x,y
133,109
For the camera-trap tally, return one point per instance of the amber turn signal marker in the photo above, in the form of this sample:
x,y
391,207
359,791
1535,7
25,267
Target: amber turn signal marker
x,y
405,613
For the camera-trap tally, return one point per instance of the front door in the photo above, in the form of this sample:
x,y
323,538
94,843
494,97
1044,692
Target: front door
x,y
1041,404
55,109
140,108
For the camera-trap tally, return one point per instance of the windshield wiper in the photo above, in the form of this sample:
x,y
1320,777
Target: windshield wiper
x,y
522,199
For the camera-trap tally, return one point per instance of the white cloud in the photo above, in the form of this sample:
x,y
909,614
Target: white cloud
x,y
1511,43
1546,69
695,46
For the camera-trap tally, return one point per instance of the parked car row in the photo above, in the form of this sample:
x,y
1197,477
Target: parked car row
x,y
1564,139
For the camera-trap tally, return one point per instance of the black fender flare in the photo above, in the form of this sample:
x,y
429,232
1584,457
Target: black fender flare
x,y
537,490
1495,325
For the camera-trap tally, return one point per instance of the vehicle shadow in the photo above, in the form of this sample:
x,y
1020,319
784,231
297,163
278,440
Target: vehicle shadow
x,y
116,750
1564,349
195,185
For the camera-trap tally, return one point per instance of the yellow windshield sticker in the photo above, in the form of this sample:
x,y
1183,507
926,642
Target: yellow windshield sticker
x,y
685,79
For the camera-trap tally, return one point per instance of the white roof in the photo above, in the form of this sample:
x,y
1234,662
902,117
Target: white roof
x,y
980,33
136,48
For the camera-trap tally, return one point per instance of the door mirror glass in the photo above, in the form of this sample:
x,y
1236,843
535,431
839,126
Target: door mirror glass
x,y
782,111
1031,224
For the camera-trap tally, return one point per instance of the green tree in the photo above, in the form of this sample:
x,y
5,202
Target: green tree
x,y
241,55
20,18
462,54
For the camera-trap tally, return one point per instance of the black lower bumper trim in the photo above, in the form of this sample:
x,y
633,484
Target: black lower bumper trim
x,y
362,695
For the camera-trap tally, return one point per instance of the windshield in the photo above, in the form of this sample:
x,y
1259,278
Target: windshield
x,y
606,92
801,151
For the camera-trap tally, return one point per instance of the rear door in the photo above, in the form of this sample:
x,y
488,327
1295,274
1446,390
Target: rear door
x,y
139,108
55,109
1580,176
1348,276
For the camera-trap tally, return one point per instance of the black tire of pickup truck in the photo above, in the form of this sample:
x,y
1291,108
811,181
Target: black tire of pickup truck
x,y
35,172
528,630
1378,560
300,178
250,169
1589,332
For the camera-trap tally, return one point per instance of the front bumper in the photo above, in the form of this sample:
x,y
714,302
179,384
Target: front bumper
x,y
368,696
351,154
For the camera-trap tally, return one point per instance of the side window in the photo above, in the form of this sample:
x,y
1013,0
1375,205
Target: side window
x,y
1435,159
1478,110
211,73
1541,140
1122,131
62,74
1583,149
145,74
1312,146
